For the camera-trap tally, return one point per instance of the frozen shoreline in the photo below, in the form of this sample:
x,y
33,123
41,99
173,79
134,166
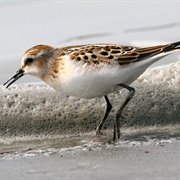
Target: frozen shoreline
x,y
26,109
32,120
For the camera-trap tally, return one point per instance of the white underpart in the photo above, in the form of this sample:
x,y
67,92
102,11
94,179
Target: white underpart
x,y
86,81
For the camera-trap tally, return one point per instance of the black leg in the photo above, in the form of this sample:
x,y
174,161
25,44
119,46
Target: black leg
x,y
108,110
118,115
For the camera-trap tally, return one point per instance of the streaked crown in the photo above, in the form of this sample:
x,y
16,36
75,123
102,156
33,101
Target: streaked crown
x,y
35,60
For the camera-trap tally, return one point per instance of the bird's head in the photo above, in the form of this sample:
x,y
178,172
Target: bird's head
x,y
35,61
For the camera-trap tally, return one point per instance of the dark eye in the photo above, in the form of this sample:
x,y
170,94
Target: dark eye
x,y
29,60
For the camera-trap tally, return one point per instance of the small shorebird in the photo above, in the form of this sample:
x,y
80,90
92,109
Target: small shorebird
x,y
92,70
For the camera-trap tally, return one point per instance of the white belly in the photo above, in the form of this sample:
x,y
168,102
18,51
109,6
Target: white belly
x,y
86,81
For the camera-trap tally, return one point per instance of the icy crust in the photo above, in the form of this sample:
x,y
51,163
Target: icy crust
x,y
34,109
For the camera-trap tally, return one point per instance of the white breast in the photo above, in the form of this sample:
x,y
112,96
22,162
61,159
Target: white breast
x,y
89,81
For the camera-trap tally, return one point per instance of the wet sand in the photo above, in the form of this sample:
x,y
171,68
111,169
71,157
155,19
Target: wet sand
x,y
157,160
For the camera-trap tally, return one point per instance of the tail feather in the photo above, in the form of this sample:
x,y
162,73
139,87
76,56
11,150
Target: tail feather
x,y
161,50
172,47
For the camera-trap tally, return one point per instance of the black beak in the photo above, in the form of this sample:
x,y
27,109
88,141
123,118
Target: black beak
x,y
16,76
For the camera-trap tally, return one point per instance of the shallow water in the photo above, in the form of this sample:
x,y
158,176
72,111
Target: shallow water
x,y
46,145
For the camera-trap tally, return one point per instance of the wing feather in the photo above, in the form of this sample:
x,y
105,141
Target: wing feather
x,y
103,53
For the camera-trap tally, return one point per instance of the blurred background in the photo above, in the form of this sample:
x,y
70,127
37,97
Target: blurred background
x,y
62,23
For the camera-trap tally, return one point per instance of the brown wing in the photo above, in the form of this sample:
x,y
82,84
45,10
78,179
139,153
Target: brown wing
x,y
96,54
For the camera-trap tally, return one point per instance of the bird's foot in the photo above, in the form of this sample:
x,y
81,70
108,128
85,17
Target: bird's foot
x,y
98,132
